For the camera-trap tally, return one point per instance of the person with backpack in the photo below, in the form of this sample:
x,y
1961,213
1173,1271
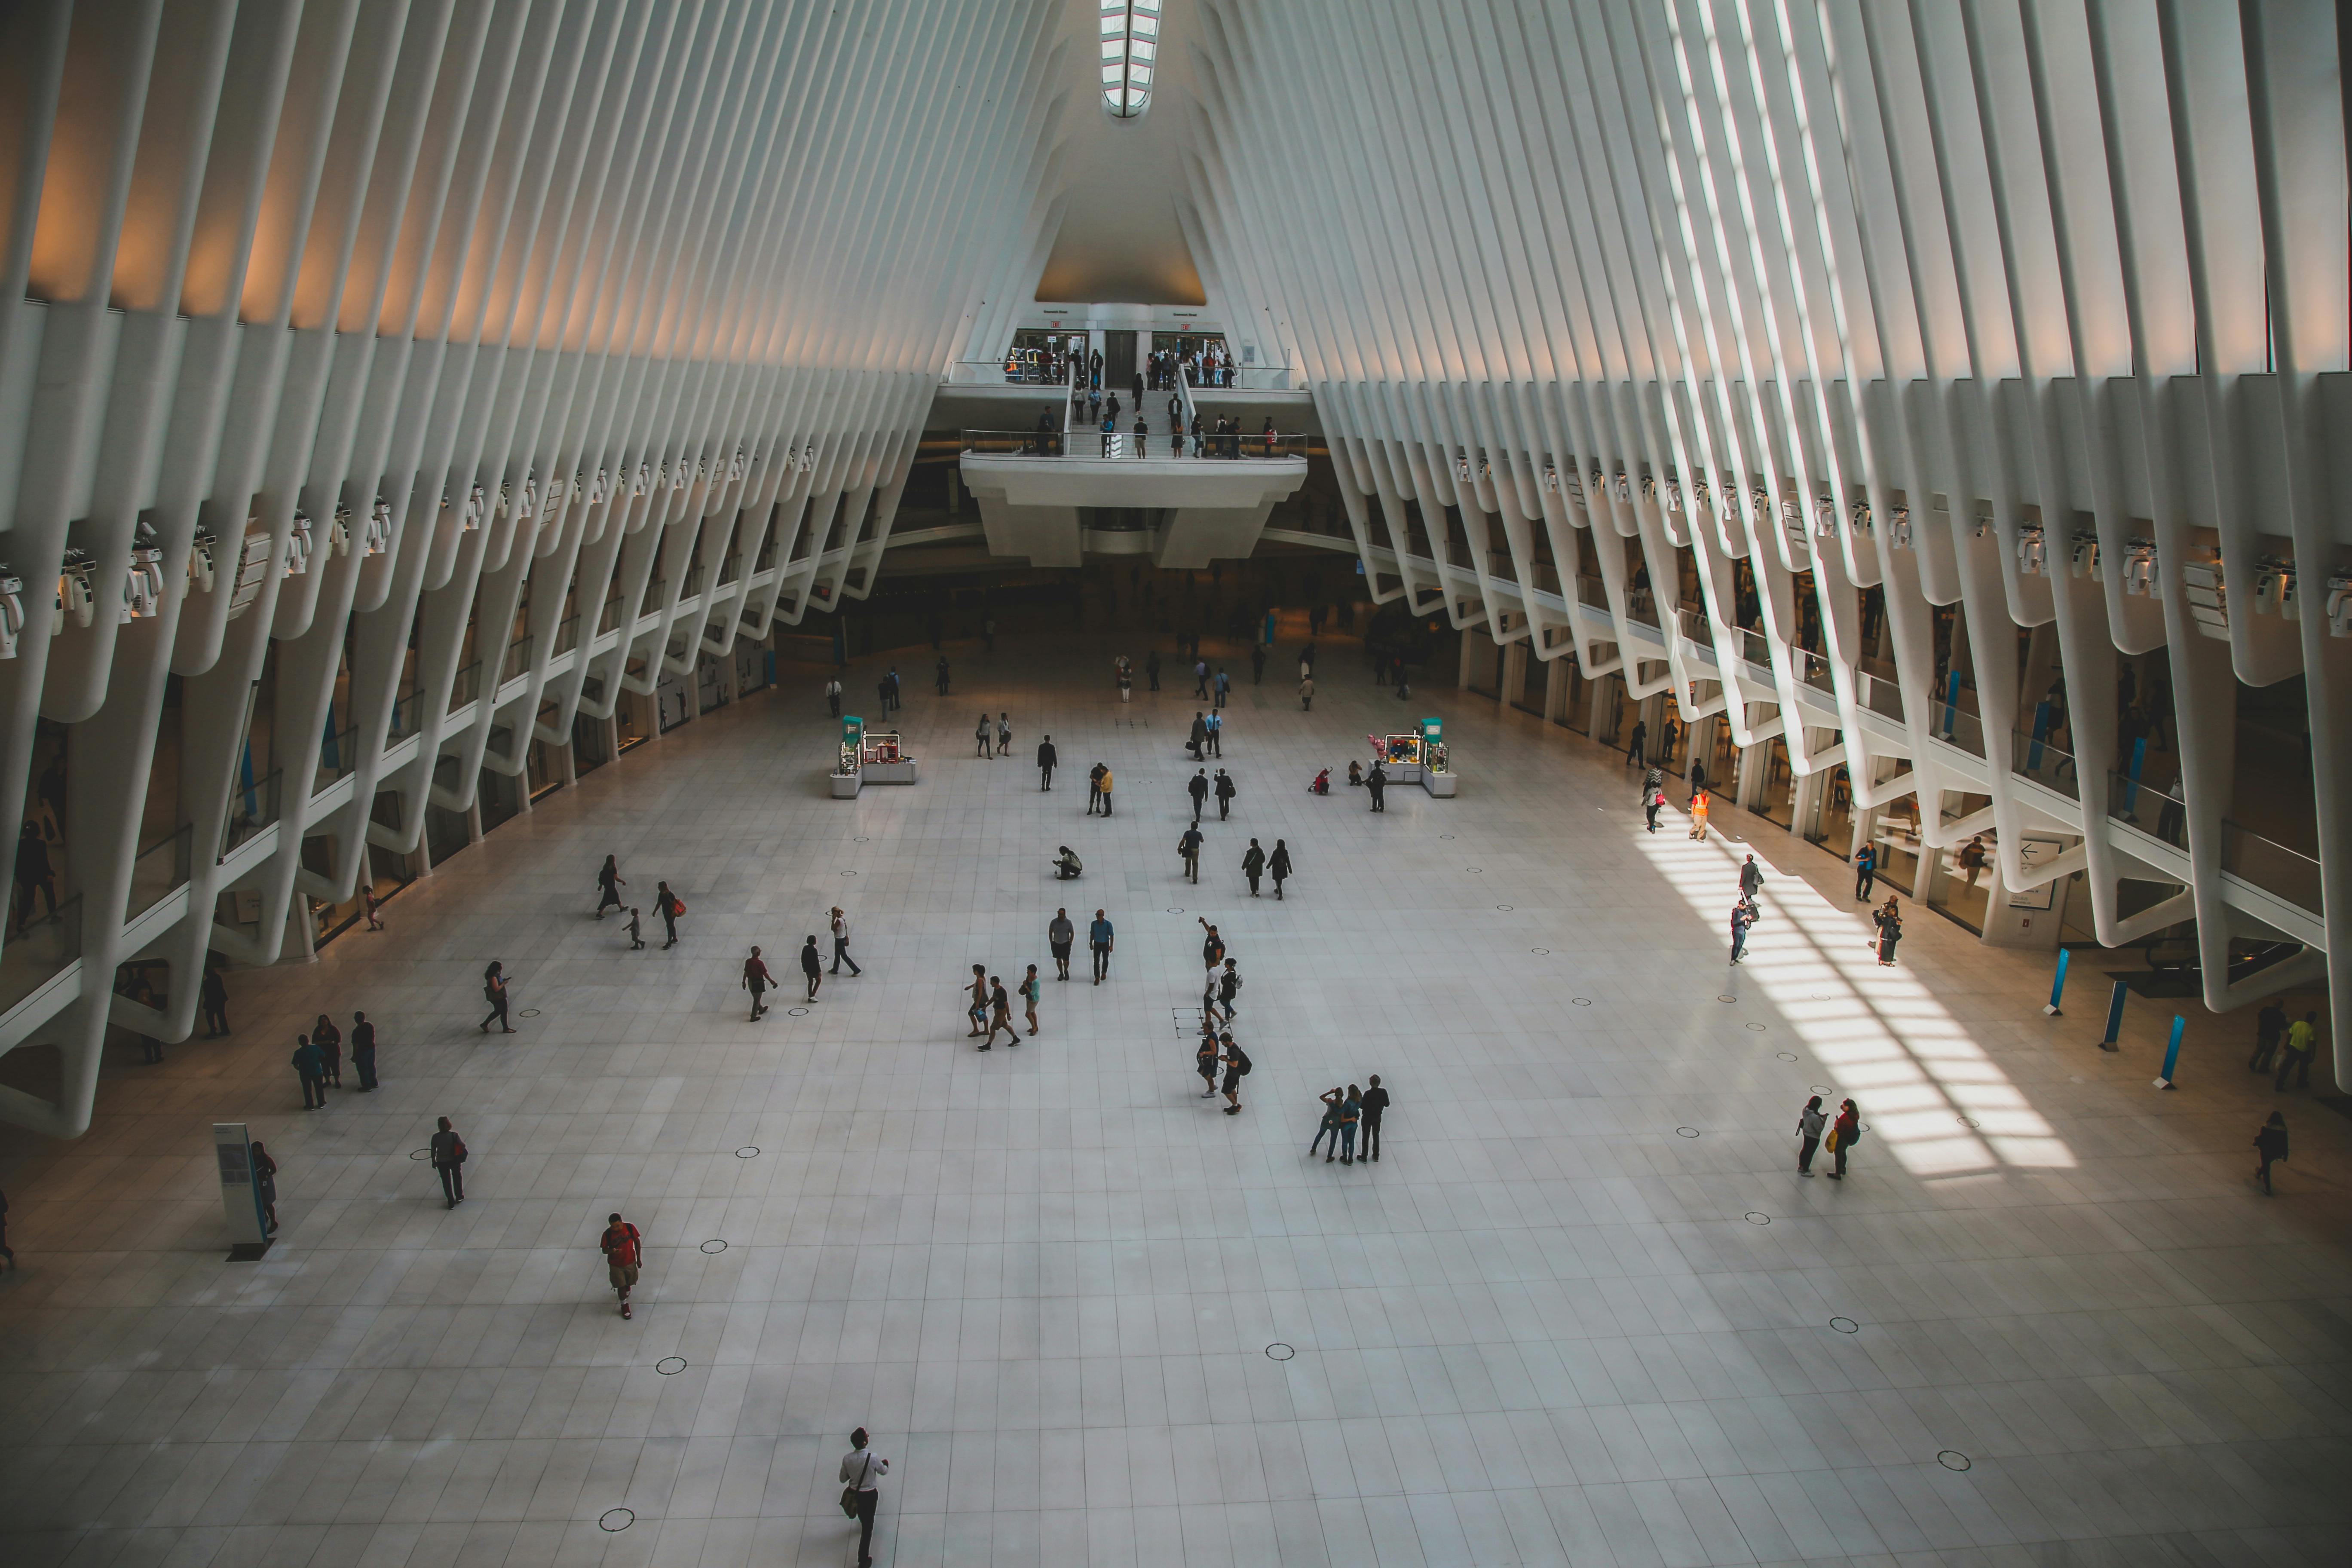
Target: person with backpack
x,y
1229,988
1889,922
1655,804
1751,878
756,980
1844,1133
2270,1146
624,1251
449,1154
1029,992
608,886
494,992
1809,1122
669,906
1237,1067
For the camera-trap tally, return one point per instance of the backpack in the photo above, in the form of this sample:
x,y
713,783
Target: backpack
x,y
1242,1066
676,905
1852,1136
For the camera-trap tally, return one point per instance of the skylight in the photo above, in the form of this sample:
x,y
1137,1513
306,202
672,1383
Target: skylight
x,y
1130,40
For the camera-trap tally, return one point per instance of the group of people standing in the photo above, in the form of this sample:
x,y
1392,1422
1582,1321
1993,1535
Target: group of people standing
x,y
1220,997
1345,1115
318,1059
668,905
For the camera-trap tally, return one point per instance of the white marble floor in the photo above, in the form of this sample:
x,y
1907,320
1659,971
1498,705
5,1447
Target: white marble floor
x,y
1583,1310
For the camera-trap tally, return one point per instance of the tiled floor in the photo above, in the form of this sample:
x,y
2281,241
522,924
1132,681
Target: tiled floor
x,y
1552,1325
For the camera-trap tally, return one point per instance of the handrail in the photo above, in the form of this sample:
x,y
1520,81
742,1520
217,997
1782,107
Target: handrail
x,y
2044,764
41,952
160,869
467,687
253,808
2272,867
337,756
517,661
567,634
2153,811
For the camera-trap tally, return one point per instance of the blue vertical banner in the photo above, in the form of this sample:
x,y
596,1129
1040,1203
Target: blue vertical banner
x,y
2058,984
2115,1016
1951,702
2172,1053
2139,760
2041,734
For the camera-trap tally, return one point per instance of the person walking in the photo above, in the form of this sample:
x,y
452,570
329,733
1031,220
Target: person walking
x,y
1253,866
1376,1105
999,1014
212,997
1844,1133
2270,1146
756,980
1003,733
265,1186
979,733
1093,787
1204,1060
1809,1122
2270,1026
1200,677
1197,787
494,992
1329,1128
1189,846
1212,946
1215,725
1972,859
363,1052
1237,1067
1634,758
1100,938
623,1247
1743,916
978,1011
1224,687
833,697
372,905
637,933
812,967
34,875
942,675
309,1066
330,1041
1866,872
448,1151
1104,785
1655,804
669,906
1376,782
1751,878
860,1468
1223,791
1698,815
1307,694
841,942
1029,993
1059,934
1197,743
1229,987
1277,866
1889,922
1046,757
2301,1045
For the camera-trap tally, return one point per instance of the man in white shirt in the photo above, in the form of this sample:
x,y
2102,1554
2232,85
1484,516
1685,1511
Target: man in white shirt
x,y
860,1468
841,943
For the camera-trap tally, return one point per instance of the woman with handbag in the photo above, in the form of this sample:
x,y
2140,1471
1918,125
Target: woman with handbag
x,y
1889,922
860,1467
494,992
1844,1133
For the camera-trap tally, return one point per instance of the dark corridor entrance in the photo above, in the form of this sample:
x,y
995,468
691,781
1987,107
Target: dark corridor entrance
x,y
1118,360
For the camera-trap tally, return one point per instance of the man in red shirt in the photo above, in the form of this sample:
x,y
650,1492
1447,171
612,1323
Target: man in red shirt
x,y
624,1250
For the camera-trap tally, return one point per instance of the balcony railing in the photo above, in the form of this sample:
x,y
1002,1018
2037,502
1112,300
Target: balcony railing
x,y
1021,443
467,685
1592,593
160,869
1812,669
1881,695
517,662
407,714
567,634
337,756
2044,764
2149,809
41,952
2271,866
252,808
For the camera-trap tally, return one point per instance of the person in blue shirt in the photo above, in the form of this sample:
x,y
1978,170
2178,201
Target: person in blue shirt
x,y
1098,937
1224,687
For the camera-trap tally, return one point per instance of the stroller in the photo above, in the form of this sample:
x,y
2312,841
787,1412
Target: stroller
x,y
1322,784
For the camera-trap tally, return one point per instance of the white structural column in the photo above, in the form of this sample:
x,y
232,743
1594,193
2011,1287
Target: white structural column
x,y
1878,372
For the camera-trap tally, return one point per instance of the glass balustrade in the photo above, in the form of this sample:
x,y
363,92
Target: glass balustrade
x,y
337,756
160,869
41,952
252,808
2044,764
2153,811
2271,866
517,662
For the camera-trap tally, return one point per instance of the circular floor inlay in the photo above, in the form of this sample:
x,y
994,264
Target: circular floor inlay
x,y
1952,1460
849,873
1757,1028
616,1518
1845,1325
714,1244
1175,911
1970,1122
748,1151
1786,1055
420,1153
860,839
1507,908
531,1012
670,1366
1756,1218
1721,998
1540,951
1579,1001
796,1012
1686,1131
1445,835
1279,1350
1480,869
1818,1089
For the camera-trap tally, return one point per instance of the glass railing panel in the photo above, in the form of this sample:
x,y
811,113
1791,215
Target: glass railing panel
x,y
1592,593
407,714
1882,697
1024,442
2044,764
1693,625
1957,727
2271,866
567,634
1755,647
337,756
41,952
160,868
252,808
517,662
1813,669
2148,808
467,687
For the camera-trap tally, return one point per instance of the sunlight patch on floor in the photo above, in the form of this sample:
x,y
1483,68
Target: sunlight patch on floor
x,y
1918,1076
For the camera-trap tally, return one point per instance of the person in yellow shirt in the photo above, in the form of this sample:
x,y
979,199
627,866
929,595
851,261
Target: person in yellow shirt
x,y
1106,792
2301,1045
